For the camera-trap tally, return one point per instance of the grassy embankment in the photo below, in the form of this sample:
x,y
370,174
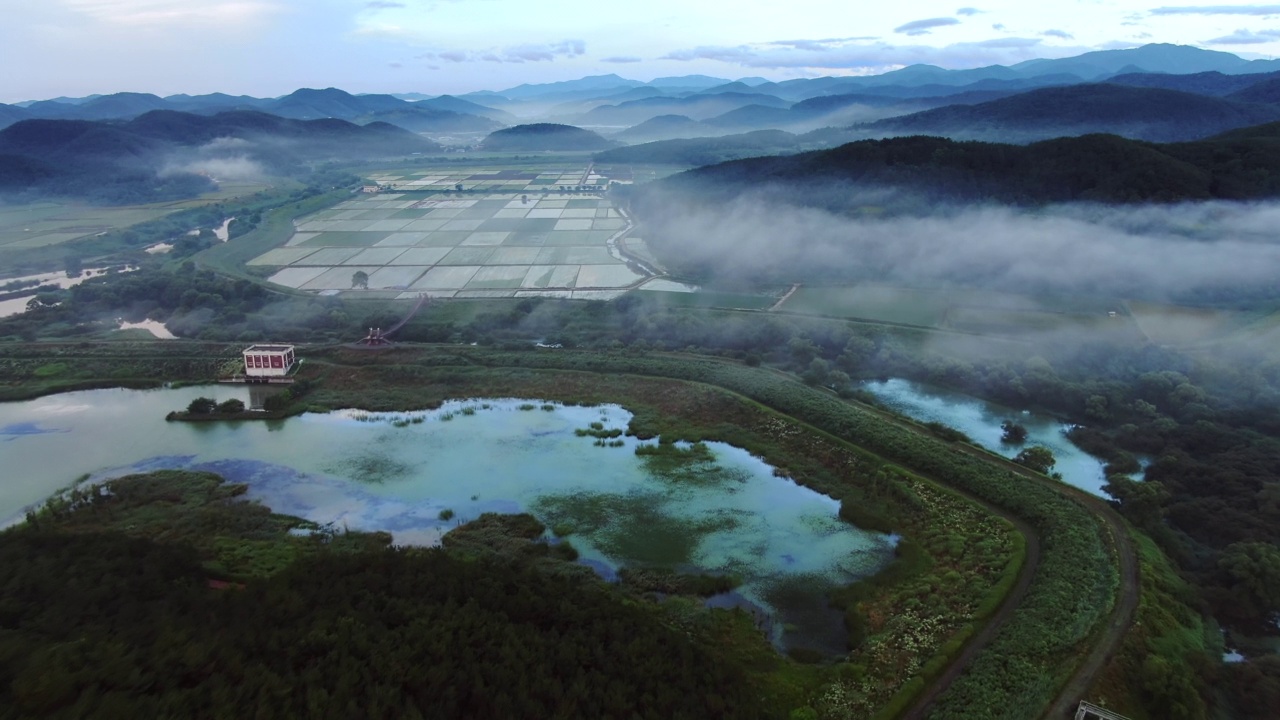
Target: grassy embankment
x,y
30,370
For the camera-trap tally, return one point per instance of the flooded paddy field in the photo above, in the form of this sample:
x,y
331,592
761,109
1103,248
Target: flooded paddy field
x,y
513,232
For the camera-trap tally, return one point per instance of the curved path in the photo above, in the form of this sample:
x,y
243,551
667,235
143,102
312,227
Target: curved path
x,y
1108,639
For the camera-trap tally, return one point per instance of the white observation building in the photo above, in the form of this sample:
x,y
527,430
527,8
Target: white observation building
x,y
268,361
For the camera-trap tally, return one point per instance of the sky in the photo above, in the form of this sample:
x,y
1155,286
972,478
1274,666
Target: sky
x,y
266,48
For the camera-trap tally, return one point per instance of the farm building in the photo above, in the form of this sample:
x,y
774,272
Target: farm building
x,y
268,361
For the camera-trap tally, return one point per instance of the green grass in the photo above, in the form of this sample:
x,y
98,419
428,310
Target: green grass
x,y
871,301
710,299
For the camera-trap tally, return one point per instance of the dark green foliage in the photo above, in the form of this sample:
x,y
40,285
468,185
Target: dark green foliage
x,y
544,136
945,432
1037,458
202,406
234,405
1101,168
706,150
1012,433
669,582
106,626
1144,113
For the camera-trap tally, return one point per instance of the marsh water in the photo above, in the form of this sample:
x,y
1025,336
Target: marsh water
x,y
716,509
981,420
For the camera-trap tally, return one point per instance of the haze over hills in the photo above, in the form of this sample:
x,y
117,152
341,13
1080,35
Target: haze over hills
x,y
1135,112
1025,102
542,137
166,154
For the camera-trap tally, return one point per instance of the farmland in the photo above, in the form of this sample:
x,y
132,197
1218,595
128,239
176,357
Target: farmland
x,y
475,233
42,224
967,310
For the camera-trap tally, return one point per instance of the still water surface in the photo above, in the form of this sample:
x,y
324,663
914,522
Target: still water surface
x,y
981,420
388,472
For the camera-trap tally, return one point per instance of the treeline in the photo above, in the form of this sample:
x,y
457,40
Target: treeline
x,y
103,625
164,595
1244,164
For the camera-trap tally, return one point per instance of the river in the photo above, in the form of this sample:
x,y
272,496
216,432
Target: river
x,y
981,420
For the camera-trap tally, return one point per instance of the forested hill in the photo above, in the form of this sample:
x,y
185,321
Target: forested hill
x,y
166,155
544,136
1144,113
1244,164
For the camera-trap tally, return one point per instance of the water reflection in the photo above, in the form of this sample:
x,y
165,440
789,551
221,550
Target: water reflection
x,y
981,420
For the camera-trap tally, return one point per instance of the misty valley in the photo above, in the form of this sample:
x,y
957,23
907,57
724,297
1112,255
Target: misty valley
x,y
926,393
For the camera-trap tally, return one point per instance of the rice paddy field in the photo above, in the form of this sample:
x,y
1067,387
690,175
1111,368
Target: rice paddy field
x,y
511,232
42,224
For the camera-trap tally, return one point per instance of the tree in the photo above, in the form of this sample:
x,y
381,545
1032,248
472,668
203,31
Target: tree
x,y
360,279
202,406
1013,433
1254,568
232,406
1038,458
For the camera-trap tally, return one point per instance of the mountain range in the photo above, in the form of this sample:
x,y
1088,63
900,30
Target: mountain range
x,y
166,154
1154,92
614,103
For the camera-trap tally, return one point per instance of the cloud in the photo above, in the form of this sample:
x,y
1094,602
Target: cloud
x,y
1059,34
1155,251
741,54
1218,10
867,57
819,45
622,59
968,11
1246,37
997,26
515,54
922,27
161,13
383,5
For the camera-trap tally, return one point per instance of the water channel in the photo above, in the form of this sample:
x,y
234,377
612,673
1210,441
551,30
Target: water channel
x,y
727,513
981,420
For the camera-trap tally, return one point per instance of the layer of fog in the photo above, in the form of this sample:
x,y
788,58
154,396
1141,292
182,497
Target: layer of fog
x,y
224,158
1152,251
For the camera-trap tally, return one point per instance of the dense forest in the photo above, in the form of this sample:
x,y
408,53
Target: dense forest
x,y
115,605
1243,164
543,136
1143,113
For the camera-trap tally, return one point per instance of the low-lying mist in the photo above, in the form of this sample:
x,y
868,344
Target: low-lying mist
x,y
1212,251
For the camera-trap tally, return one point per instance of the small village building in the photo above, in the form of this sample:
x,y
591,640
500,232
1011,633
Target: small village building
x,y
268,361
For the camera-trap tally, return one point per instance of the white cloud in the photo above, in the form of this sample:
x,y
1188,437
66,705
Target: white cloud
x,y
513,54
1218,10
154,13
1246,37
924,27
863,57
